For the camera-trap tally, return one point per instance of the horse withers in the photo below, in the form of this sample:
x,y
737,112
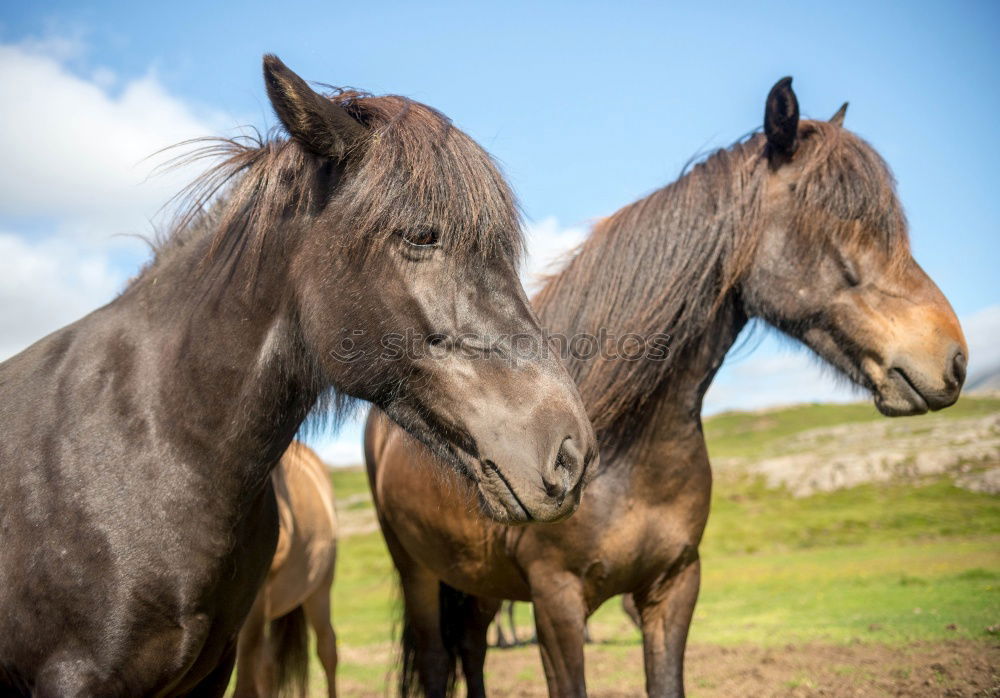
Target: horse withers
x,y
136,509
799,226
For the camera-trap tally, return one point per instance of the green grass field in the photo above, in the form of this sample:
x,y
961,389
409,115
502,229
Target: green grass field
x,y
891,563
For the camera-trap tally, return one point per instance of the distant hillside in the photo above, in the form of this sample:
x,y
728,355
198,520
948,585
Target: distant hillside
x,y
818,448
984,381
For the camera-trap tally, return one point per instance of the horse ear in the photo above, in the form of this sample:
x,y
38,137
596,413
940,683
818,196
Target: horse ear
x,y
838,118
316,122
781,120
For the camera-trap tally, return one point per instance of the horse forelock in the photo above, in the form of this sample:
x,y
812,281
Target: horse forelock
x,y
414,169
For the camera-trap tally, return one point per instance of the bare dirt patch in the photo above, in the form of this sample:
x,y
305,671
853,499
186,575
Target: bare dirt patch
x,y
952,668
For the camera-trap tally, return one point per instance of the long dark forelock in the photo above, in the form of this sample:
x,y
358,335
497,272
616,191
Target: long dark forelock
x,y
414,169
667,263
419,169
846,196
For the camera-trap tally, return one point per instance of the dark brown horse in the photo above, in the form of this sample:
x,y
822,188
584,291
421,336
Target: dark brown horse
x,y
799,226
137,518
273,649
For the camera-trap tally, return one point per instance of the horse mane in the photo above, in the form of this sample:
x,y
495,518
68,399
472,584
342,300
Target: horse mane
x,y
666,263
414,168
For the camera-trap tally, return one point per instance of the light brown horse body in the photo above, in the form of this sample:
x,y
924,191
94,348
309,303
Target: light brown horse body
x,y
798,226
298,584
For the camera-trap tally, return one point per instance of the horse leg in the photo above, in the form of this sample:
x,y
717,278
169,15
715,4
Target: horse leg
x,y
628,606
248,650
422,639
423,645
665,611
502,641
472,647
560,617
509,608
317,608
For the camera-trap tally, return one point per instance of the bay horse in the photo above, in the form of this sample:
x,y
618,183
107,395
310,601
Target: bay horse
x,y
137,517
270,660
799,226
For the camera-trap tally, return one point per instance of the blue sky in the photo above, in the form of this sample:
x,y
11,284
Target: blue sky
x,y
586,105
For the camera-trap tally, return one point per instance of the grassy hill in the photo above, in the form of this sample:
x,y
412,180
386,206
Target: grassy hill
x,y
751,434
904,565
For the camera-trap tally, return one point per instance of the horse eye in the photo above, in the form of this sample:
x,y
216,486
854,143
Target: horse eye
x,y
850,273
421,237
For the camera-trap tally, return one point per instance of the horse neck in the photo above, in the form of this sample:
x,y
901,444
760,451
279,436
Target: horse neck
x,y
679,399
233,383
672,447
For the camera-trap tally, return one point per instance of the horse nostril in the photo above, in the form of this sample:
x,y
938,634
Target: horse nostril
x,y
556,490
564,473
958,366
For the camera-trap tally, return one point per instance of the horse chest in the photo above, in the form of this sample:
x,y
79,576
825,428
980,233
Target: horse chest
x,y
633,553
469,554
213,595
623,536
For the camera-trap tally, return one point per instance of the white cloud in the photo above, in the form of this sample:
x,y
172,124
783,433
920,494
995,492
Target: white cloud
x,y
75,151
74,178
46,285
63,47
548,246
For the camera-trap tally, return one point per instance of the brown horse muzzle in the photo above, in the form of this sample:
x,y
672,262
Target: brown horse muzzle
x,y
923,350
908,388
